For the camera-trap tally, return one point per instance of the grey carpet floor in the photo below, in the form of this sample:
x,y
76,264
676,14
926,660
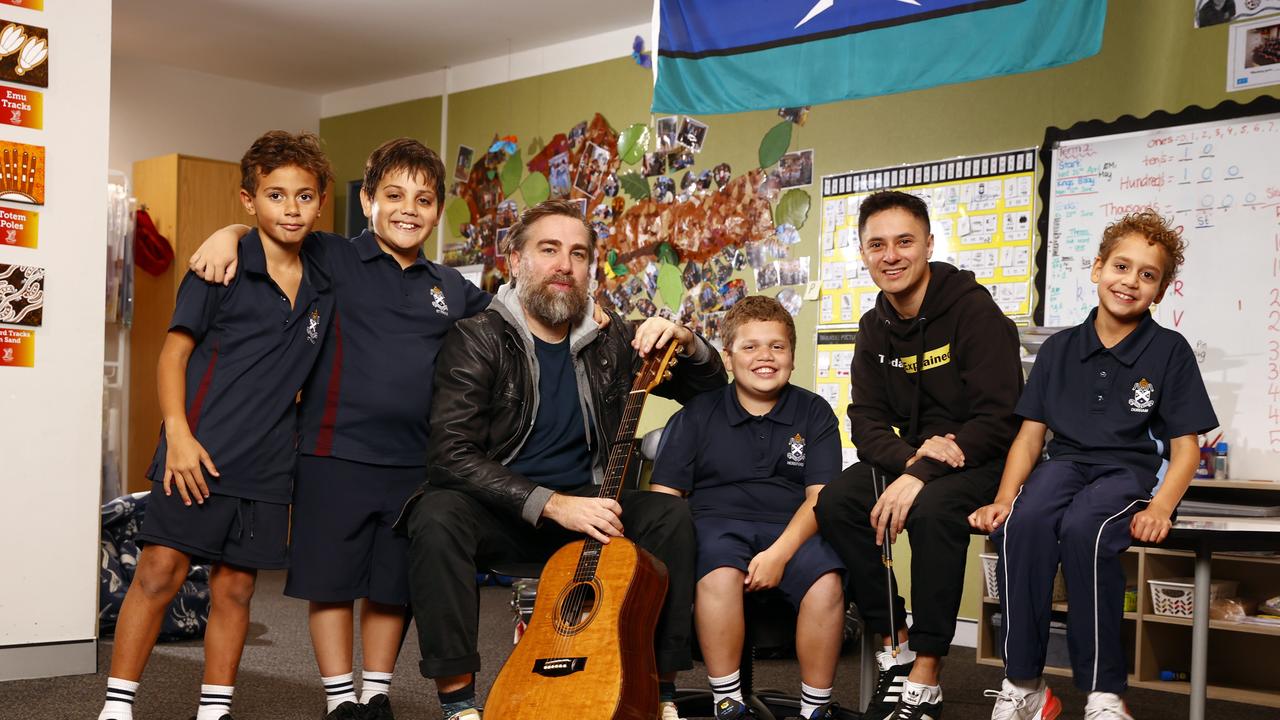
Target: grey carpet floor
x,y
278,677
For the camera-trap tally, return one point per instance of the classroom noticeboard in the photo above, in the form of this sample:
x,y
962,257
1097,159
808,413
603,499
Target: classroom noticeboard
x,y
1219,180
835,361
981,210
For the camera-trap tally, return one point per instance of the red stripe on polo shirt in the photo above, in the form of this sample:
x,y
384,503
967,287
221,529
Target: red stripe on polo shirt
x,y
324,437
193,415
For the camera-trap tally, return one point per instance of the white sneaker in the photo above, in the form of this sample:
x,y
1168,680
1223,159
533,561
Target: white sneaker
x,y
1105,706
468,714
1014,703
667,711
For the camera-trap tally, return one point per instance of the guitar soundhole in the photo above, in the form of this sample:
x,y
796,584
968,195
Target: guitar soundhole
x,y
576,606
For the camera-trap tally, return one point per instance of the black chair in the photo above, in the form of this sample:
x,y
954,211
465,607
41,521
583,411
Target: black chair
x,y
770,627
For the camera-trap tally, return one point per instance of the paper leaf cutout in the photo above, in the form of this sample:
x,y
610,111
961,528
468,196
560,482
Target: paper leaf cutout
x,y
511,174
632,143
535,188
458,214
670,286
635,186
775,144
792,208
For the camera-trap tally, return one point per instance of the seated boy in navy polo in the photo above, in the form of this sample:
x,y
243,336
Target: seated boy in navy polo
x,y
752,459
1125,401
363,434
229,372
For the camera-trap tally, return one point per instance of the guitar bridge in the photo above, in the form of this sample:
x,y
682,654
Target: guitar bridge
x,y
559,667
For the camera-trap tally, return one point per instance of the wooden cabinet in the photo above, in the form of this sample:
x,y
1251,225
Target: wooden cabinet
x,y
188,198
1156,642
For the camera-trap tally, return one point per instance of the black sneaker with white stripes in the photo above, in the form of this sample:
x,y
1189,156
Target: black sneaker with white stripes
x,y
912,705
888,687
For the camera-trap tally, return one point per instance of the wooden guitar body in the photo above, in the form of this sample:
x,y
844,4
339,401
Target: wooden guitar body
x,y
588,652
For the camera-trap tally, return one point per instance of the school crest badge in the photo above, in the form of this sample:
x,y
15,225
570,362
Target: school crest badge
x,y
437,301
313,327
795,450
1144,396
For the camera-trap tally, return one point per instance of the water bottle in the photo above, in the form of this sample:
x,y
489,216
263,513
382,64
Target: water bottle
x,y
1220,462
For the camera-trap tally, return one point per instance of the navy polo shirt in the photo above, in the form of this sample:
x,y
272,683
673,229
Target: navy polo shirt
x,y
370,395
253,353
746,467
1119,405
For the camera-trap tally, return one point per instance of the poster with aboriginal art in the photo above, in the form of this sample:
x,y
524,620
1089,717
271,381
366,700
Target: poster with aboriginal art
x,y
679,234
981,212
21,295
24,52
21,173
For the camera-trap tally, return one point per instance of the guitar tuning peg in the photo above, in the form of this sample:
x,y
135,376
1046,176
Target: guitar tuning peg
x,y
666,375
673,362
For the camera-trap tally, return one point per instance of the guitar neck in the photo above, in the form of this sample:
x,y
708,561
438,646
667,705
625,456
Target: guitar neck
x,y
620,453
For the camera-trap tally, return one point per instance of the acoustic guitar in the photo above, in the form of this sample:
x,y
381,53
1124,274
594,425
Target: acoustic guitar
x,y
588,652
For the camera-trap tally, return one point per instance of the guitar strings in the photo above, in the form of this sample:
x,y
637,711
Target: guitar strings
x,y
619,458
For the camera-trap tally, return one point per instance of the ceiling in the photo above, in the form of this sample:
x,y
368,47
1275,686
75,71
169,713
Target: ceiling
x,y
320,46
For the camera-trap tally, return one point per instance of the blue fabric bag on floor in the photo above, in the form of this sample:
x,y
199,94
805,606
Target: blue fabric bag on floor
x,y
187,615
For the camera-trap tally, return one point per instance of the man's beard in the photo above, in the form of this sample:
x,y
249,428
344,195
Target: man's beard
x,y
552,307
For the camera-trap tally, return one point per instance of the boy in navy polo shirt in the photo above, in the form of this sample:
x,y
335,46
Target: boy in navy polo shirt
x,y
364,419
229,372
1122,455
752,459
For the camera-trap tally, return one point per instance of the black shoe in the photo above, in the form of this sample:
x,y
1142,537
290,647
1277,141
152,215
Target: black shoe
x,y
888,690
825,711
346,711
911,706
378,708
730,709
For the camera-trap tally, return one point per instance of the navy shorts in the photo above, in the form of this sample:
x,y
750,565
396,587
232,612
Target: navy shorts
x,y
344,547
725,542
245,533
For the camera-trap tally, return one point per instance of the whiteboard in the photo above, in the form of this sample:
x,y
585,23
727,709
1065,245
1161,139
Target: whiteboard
x,y
1219,181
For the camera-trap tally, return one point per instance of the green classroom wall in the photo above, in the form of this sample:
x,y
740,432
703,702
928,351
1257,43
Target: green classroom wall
x,y
348,140
1152,59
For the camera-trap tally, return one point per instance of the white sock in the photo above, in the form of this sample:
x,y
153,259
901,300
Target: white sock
x,y
374,683
811,698
906,656
337,690
215,701
728,686
921,693
119,704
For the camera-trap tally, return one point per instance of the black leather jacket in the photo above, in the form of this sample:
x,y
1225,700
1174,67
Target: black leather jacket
x,y
486,398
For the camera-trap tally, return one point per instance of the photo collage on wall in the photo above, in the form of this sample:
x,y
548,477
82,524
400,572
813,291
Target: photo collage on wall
x,y
678,235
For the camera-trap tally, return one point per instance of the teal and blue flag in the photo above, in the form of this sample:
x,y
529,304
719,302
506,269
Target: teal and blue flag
x,y
720,56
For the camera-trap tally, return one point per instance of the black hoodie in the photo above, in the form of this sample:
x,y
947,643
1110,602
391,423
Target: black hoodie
x,y
970,384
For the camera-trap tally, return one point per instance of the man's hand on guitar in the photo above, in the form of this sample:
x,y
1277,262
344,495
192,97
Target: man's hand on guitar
x,y
600,518
656,332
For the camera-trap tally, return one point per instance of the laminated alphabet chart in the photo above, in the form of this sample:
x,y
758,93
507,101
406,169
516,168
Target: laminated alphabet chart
x,y
981,211
1219,181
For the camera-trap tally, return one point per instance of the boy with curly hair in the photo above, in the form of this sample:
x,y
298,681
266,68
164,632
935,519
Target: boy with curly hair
x,y
1122,455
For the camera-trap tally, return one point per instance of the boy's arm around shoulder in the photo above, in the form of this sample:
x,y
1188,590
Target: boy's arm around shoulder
x,y
467,376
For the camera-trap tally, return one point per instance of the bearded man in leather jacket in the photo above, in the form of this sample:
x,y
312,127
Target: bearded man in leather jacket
x,y
528,397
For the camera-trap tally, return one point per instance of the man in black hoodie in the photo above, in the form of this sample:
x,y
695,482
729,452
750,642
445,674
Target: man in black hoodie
x,y
935,377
